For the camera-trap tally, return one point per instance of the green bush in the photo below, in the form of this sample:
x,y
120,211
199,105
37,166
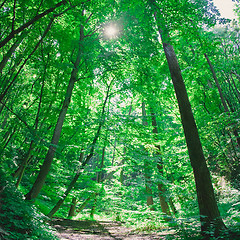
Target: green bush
x,y
18,218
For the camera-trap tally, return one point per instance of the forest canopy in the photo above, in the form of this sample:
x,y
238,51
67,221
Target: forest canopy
x,y
119,110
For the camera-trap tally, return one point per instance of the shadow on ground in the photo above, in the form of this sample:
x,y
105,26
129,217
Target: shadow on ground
x,y
84,227
101,230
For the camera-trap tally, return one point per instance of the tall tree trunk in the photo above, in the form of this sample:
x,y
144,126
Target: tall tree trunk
x,y
209,213
38,184
161,187
217,83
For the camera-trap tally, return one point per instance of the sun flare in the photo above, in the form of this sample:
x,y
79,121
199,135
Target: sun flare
x,y
111,31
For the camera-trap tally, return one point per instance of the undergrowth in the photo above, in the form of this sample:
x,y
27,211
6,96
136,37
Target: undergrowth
x,y
18,218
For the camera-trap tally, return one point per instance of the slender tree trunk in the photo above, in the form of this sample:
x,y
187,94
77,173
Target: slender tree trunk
x,y
99,179
226,109
121,179
10,52
93,210
84,163
217,83
162,192
2,95
149,193
236,75
9,75
233,86
9,138
161,187
36,188
146,167
28,156
209,213
29,23
23,165
3,3
68,190
210,216
84,204
72,209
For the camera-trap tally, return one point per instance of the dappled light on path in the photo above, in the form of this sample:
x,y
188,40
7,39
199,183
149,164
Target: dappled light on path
x,y
101,230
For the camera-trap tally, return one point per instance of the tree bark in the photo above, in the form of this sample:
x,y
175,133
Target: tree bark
x,y
209,213
45,168
210,216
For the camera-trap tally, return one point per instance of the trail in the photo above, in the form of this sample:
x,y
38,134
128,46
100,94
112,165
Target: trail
x,y
101,230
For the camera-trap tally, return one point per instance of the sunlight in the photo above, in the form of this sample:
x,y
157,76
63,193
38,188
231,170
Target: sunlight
x,y
225,8
111,31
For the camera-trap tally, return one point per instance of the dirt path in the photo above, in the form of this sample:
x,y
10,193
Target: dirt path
x,y
100,230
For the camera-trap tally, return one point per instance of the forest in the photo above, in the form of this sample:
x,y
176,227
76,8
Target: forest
x,y
119,111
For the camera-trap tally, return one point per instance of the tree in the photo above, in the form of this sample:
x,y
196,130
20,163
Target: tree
x,y
14,32
74,127
33,193
210,216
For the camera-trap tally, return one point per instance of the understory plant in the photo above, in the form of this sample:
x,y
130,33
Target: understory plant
x,y
19,219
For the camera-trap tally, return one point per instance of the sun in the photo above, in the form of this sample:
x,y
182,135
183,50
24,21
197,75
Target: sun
x,y
111,31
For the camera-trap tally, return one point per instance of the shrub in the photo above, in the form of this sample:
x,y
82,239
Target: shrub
x,y
18,218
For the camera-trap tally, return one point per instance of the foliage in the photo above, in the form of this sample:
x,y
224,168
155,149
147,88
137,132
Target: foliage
x,y
114,79
20,219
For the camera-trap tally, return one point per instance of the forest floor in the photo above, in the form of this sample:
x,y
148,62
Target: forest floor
x,y
102,230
